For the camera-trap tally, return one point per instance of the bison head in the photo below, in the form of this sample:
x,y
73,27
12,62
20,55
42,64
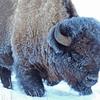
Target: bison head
x,y
75,52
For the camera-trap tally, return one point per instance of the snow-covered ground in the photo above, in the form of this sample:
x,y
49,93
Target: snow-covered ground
x,y
88,8
59,92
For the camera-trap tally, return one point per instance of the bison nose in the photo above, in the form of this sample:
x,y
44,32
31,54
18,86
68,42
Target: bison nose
x,y
91,80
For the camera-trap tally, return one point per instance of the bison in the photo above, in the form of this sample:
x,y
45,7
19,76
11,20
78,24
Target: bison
x,y
7,8
33,18
70,51
7,11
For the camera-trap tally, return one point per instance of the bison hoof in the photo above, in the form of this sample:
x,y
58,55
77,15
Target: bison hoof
x,y
34,92
5,76
8,86
86,91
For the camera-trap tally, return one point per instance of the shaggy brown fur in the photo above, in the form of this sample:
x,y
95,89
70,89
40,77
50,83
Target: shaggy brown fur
x,y
37,59
33,19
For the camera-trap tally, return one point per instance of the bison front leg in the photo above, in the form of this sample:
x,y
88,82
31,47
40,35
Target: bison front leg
x,y
5,75
31,81
82,89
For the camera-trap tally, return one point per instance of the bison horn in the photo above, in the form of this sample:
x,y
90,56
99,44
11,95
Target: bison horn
x,y
61,39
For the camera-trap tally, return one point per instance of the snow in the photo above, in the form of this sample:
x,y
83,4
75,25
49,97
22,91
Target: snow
x,y
88,8
62,91
59,92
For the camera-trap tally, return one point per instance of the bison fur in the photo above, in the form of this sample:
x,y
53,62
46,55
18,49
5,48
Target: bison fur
x,y
70,51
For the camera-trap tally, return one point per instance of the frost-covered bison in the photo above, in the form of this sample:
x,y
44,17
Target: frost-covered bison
x,y
7,8
70,51
37,16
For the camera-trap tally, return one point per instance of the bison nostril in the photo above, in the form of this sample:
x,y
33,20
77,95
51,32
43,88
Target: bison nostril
x,y
90,80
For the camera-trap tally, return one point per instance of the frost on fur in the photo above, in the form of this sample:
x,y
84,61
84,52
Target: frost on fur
x,y
70,51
